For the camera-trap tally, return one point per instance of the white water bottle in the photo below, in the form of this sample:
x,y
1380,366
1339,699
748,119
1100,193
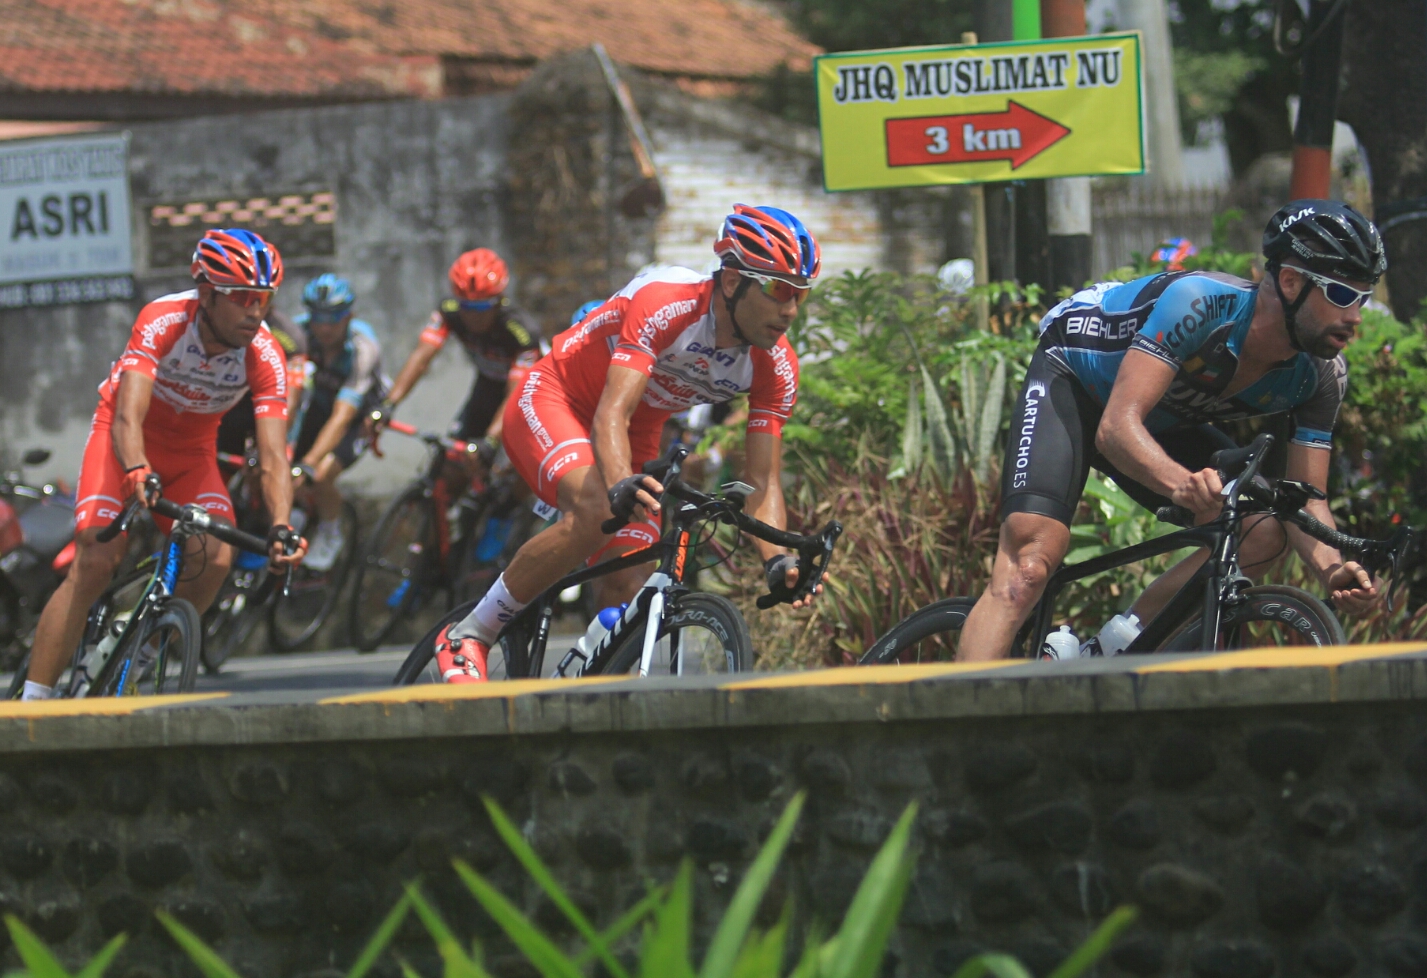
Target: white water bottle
x,y
1061,644
103,649
1118,633
599,628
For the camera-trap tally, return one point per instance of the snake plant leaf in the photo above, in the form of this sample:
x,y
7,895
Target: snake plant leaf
x,y
862,939
379,940
541,952
990,419
665,952
1083,958
206,959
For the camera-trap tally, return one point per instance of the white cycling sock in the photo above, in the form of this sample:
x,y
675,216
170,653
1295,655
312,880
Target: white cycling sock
x,y
489,616
37,691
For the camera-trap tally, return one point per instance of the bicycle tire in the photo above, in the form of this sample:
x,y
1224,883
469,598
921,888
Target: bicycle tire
x,y
295,619
177,622
1310,621
728,643
396,591
17,681
509,658
939,620
225,631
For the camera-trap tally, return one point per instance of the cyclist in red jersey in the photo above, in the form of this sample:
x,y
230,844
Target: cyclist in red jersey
x,y
589,414
191,356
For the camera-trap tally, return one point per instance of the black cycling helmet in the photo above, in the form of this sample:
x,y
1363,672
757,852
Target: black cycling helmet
x,y
1325,237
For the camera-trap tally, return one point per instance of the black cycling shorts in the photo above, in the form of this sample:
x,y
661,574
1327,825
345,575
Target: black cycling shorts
x,y
1051,447
487,396
354,440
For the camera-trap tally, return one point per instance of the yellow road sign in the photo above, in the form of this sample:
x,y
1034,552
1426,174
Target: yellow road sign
x,y
911,117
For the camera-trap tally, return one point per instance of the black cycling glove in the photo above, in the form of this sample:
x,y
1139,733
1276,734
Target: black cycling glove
x,y
622,495
775,572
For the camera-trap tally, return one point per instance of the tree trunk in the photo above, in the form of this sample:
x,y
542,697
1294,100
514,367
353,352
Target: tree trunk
x,y
1385,101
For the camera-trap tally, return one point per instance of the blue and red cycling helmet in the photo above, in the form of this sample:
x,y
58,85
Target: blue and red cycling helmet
x,y
236,257
768,240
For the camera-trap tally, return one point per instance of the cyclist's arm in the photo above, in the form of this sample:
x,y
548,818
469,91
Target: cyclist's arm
x,y
1349,584
1122,437
763,468
623,390
276,477
343,413
296,378
131,407
413,370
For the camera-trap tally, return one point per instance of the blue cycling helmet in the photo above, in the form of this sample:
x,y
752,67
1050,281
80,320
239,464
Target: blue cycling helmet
x,y
585,310
329,295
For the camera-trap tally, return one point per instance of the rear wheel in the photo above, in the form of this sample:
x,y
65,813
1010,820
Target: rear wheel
x,y
160,656
233,616
313,595
393,567
1273,615
701,634
930,634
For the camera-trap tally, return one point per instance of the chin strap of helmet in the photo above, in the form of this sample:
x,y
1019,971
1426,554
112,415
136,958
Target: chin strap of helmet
x,y
208,320
729,303
1290,309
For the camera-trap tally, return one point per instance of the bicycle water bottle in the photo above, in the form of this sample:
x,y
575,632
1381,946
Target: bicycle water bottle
x,y
492,541
1061,644
93,663
599,628
1118,633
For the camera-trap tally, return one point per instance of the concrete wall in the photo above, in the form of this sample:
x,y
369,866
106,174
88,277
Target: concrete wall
x,y
1265,811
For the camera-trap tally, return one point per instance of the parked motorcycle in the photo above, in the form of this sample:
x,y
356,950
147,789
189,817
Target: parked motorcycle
x,y
36,551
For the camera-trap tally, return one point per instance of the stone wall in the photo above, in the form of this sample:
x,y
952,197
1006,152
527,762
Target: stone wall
x,y
1259,841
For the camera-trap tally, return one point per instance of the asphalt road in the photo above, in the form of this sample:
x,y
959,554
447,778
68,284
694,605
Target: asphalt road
x,y
342,669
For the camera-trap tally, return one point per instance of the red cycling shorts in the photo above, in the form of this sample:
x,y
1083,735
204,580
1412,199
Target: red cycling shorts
x,y
547,440
188,476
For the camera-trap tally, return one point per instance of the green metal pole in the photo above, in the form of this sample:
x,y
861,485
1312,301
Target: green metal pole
x,y
1026,20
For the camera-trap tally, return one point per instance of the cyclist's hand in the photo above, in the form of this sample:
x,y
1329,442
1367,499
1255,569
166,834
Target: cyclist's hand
x,y
137,484
784,569
278,556
1352,588
375,424
1200,494
628,496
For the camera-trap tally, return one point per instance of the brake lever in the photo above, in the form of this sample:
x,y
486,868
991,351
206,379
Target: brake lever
x,y
817,561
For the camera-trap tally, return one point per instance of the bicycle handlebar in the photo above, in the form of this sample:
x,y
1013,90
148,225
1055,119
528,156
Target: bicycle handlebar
x,y
431,438
196,516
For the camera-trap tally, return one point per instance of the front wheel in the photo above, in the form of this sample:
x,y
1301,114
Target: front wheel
x,y
930,634
393,567
1272,615
160,656
701,634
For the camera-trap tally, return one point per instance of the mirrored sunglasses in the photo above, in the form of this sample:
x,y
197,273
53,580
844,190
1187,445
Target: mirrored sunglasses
x,y
478,305
777,289
326,316
1342,296
247,298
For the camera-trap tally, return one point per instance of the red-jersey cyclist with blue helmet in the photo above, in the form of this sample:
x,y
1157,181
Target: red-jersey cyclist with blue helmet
x,y
191,356
589,415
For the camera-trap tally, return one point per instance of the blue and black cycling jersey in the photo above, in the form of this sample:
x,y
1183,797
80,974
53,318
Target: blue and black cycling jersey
x,y
1197,323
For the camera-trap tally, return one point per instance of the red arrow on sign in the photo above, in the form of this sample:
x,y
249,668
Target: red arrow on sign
x,y
1017,135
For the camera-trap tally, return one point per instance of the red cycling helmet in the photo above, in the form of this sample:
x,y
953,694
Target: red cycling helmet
x,y
479,274
236,256
769,240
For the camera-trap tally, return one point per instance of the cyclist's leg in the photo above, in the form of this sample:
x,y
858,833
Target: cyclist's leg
x,y
61,624
486,397
1042,478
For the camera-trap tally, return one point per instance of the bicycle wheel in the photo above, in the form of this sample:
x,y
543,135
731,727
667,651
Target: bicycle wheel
x,y
232,616
294,619
1272,615
392,568
930,634
701,634
508,658
160,656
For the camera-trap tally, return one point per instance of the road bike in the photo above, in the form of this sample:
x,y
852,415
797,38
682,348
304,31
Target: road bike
x,y
139,637
666,624
430,540
250,596
1219,607
36,550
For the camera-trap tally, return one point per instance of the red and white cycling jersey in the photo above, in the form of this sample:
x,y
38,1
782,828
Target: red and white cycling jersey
x,y
662,323
191,388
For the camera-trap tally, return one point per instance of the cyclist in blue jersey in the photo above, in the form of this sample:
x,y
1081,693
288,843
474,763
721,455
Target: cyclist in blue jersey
x,y
1129,377
344,382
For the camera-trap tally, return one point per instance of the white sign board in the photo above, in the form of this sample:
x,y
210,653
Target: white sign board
x,y
64,221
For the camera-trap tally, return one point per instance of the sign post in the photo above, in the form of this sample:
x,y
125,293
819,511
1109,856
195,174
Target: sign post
x,y
65,236
969,114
